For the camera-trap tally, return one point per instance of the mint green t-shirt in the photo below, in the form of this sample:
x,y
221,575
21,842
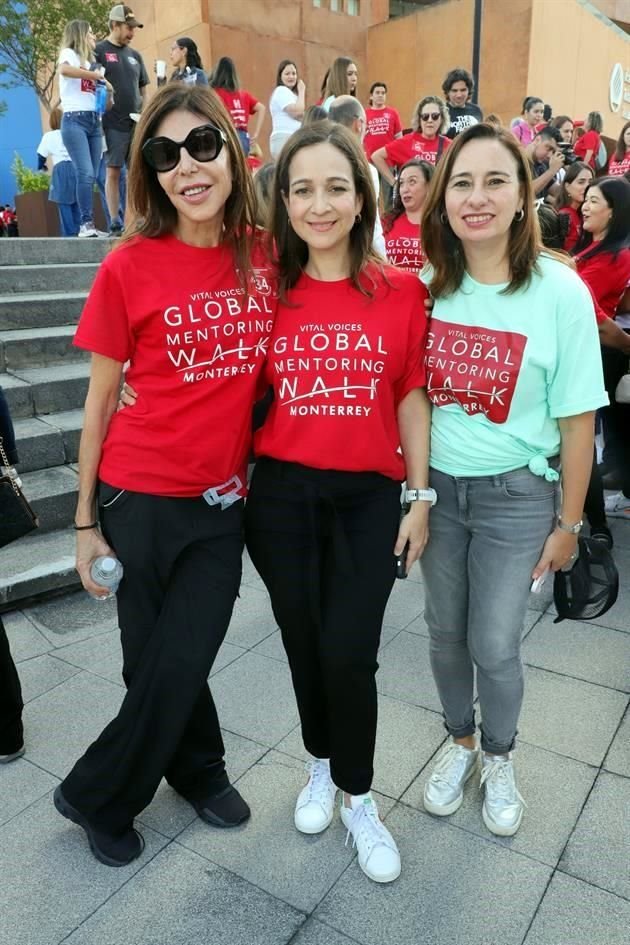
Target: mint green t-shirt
x,y
502,369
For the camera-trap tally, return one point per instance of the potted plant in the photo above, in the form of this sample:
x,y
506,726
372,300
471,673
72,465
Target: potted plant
x,y
37,216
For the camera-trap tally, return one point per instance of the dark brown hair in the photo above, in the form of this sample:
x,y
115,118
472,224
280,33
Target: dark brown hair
x,y
151,212
291,251
398,207
620,150
337,81
573,170
444,249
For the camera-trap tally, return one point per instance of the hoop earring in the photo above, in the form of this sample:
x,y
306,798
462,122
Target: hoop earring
x,y
443,218
357,219
520,216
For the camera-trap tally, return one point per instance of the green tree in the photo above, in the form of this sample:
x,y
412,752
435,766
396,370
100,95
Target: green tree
x,y
30,37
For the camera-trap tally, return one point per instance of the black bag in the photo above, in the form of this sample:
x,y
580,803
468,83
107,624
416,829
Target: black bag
x,y
16,516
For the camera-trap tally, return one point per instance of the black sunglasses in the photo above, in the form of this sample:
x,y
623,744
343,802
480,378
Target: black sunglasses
x,y
430,116
203,144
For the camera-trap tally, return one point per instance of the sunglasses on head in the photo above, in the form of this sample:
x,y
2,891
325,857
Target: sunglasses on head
x,y
430,116
203,144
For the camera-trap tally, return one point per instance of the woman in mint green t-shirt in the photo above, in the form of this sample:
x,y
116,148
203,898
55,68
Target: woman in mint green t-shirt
x,y
514,375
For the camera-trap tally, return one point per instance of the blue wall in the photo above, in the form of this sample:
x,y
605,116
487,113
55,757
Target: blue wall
x,y
21,131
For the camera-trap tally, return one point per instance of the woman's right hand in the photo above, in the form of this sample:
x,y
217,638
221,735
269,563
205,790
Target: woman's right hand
x,y
128,397
91,545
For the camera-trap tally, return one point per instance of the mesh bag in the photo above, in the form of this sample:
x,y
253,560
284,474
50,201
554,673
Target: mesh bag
x,y
590,588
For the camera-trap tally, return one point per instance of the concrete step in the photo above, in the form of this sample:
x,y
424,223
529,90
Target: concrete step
x,y
52,493
48,441
37,347
37,565
53,251
47,278
40,309
35,391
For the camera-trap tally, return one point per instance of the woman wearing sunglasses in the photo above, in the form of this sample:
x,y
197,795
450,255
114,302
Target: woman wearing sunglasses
x,y
345,363
178,300
427,141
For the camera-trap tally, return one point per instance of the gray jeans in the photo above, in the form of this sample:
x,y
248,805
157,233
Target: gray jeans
x,y
486,535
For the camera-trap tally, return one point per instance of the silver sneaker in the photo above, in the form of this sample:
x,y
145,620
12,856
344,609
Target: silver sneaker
x,y
503,806
444,791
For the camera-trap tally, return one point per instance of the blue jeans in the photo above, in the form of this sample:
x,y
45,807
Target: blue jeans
x,y
83,137
69,218
122,190
486,536
243,137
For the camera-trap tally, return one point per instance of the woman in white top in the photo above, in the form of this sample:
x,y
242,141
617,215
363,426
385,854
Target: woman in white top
x,y
63,179
81,125
287,105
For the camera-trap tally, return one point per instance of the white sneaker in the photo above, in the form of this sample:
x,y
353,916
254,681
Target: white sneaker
x,y
378,854
444,791
617,505
316,801
503,806
87,231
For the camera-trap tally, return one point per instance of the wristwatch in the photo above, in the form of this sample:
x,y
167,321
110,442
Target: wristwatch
x,y
421,495
571,529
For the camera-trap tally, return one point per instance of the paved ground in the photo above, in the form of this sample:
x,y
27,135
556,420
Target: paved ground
x,y
563,880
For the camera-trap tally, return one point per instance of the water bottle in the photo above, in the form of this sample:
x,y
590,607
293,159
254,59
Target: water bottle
x,y
107,572
101,98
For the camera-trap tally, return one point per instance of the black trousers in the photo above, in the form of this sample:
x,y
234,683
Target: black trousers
x,y
182,571
11,705
616,418
323,543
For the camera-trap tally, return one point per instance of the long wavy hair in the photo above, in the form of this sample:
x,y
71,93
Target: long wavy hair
x,y
74,37
620,149
151,212
398,207
444,249
573,170
290,249
337,80
616,192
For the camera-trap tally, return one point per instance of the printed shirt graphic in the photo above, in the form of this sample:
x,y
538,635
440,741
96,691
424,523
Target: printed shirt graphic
x,y
382,126
240,105
340,363
196,346
502,369
414,145
403,245
619,168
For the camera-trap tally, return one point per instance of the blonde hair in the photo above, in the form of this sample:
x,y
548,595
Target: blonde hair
x,y
431,100
337,81
75,37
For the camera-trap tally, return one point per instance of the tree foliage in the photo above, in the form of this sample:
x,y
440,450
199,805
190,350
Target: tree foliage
x,y
30,38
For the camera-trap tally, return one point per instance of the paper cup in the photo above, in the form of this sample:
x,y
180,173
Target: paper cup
x,y
160,68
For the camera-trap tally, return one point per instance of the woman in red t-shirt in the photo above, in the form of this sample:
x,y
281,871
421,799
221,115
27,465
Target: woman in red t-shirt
x,y
323,522
239,103
603,261
571,197
181,302
401,227
619,164
587,146
427,141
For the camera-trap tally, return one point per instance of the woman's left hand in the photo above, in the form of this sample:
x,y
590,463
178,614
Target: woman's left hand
x,y
557,551
414,528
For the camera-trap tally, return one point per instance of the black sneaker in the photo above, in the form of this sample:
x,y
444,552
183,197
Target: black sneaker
x,y
224,809
11,756
115,230
110,849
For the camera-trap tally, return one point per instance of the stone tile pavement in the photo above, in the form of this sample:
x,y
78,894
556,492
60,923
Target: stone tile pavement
x,y
563,880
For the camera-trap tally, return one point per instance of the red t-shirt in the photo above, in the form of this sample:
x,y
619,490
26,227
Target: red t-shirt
x,y
196,348
340,362
415,145
590,141
619,168
240,105
606,275
382,126
403,246
575,227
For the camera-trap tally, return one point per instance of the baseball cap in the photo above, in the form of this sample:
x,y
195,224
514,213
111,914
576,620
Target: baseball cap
x,y
122,14
591,587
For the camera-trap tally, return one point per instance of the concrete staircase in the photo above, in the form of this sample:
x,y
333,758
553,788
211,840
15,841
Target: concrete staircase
x,y
43,285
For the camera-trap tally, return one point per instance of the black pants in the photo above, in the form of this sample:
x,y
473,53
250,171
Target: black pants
x,y
323,543
616,418
11,705
182,571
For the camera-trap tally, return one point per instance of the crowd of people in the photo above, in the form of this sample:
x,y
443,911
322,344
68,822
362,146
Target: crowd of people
x,y
441,351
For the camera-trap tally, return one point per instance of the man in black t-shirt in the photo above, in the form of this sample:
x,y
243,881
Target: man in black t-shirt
x,y
125,70
458,88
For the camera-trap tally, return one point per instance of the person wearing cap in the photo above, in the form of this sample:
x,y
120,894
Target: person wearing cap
x,y
187,61
125,69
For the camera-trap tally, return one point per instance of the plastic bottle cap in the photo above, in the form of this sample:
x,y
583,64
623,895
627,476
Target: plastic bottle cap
x,y
108,564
